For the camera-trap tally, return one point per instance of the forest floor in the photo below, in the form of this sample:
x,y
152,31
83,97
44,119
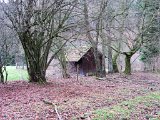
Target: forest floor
x,y
135,97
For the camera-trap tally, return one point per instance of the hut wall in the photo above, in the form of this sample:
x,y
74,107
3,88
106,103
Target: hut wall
x,y
88,63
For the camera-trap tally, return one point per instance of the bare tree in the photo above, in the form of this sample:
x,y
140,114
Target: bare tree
x,y
37,23
94,40
134,28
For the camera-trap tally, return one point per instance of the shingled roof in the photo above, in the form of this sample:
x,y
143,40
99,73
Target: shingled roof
x,y
75,54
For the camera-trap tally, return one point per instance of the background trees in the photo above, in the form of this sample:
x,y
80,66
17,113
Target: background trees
x,y
8,46
150,49
118,29
129,29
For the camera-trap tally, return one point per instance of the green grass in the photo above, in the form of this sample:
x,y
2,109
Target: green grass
x,y
124,110
16,74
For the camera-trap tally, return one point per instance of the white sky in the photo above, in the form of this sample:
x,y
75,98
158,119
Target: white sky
x,y
4,1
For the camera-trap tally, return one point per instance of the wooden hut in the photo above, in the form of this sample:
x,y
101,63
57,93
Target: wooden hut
x,y
81,60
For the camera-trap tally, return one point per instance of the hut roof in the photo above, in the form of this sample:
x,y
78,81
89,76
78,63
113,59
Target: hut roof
x,y
75,54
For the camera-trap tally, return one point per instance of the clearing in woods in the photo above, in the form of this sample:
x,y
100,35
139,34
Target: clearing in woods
x,y
136,97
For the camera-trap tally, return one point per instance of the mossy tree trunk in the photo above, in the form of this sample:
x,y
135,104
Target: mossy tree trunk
x,y
1,71
64,70
37,76
63,63
1,75
127,70
110,62
36,67
99,71
36,56
114,62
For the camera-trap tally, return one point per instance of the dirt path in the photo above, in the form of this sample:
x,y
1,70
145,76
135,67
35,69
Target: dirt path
x,y
24,101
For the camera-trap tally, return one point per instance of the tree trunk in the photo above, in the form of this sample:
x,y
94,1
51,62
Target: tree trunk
x,y
103,61
64,71
114,62
97,63
63,63
62,59
93,43
36,57
99,72
6,74
1,71
104,50
36,68
127,70
110,64
37,75
77,67
1,75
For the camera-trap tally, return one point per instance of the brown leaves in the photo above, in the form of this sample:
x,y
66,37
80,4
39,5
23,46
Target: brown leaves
x,y
22,100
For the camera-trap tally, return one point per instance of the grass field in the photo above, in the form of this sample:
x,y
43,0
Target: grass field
x,y
134,108
16,74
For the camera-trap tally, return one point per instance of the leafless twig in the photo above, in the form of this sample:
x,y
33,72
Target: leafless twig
x,y
55,108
